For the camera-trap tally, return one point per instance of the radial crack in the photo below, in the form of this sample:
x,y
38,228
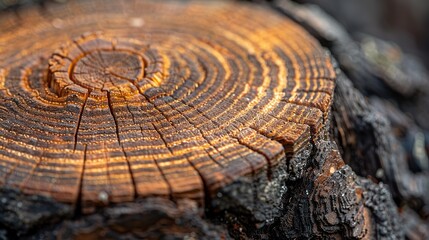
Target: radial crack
x,y
170,188
79,198
109,102
201,133
130,170
218,125
82,109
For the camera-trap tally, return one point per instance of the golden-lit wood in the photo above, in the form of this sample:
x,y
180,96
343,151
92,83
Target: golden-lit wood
x,y
106,102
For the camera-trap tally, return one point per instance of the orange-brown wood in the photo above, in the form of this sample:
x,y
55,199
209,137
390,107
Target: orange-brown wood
x,y
103,102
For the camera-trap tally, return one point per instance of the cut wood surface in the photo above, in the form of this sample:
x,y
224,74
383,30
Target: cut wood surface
x,y
106,101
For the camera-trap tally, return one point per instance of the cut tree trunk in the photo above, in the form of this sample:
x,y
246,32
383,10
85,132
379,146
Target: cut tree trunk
x,y
178,119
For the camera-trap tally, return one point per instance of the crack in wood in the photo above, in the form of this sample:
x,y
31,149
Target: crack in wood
x,y
109,102
130,170
220,126
78,202
170,189
223,121
76,132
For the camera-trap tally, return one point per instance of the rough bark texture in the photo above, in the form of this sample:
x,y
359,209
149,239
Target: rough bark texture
x,y
383,137
239,123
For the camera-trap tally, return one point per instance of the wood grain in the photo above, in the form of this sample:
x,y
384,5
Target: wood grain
x,y
105,102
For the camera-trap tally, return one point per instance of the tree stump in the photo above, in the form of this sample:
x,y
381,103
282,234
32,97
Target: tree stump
x,y
187,119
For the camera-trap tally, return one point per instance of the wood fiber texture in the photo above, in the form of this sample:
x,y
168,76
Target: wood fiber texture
x,y
108,101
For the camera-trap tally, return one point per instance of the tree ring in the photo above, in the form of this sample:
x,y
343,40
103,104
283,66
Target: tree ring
x,y
96,63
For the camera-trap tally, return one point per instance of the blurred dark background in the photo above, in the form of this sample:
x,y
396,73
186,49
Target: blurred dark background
x,y
405,22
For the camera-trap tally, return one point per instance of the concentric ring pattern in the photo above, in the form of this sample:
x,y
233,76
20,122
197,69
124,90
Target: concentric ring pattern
x,y
131,99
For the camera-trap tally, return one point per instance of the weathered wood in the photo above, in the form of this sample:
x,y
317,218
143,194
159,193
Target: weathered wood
x,y
165,106
181,119
383,139
331,201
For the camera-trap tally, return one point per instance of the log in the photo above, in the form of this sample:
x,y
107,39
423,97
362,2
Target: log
x,y
155,106
184,119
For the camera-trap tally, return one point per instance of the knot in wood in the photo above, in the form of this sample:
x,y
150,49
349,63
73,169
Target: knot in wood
x,y
96,63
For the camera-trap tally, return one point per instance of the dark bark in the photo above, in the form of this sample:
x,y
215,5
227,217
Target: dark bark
x,y
365,176
384,138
